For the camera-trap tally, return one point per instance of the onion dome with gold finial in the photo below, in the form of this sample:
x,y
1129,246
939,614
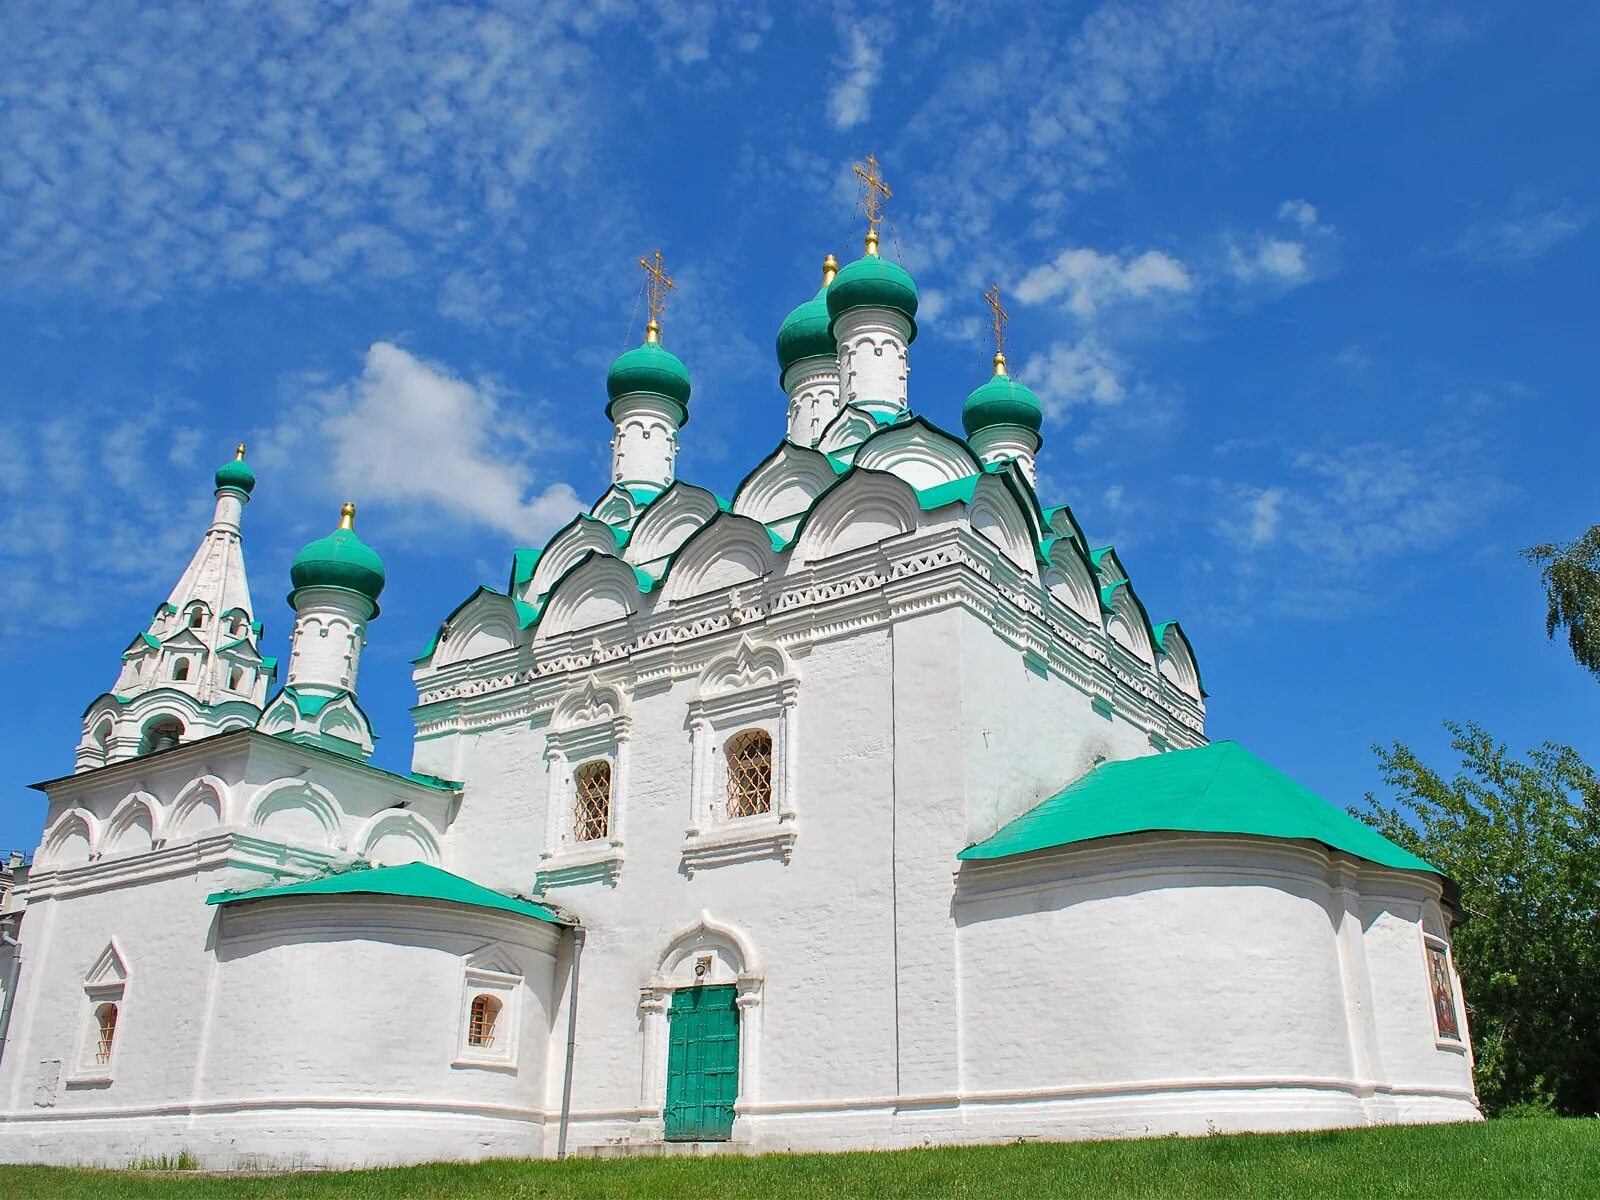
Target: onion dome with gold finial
x,y
236,474
874,282
1001,400
807,332
340,560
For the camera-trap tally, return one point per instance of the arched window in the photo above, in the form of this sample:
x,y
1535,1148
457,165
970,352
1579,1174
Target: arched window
x,y
197,617
481,1019
592,812
235,678
237,626
180,669
160,735
105,1021
749,773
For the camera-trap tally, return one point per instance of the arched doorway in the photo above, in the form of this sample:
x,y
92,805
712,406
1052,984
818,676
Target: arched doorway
x,y
702,1064
702,1030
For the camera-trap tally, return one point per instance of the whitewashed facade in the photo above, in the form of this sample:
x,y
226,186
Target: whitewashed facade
x,y
915,653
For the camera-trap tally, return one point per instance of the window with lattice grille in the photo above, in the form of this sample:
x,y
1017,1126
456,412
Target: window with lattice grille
x,y
593,809
749,773
480,1022
105,1019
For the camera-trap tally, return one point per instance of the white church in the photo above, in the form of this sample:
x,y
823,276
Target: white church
x,y
865,807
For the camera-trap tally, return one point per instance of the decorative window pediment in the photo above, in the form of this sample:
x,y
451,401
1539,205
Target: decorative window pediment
x,y
743,793
104,991
586,744
490,1010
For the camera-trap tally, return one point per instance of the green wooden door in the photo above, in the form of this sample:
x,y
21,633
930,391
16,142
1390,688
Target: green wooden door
x,y
702,1065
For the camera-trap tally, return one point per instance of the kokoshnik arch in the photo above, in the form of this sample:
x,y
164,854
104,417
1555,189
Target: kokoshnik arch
x,y
863,808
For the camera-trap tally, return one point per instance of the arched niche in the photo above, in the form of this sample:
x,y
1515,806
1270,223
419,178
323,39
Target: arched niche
x,y
730,551
298,813
862,509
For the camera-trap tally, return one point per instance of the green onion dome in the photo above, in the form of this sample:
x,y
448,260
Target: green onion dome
x,y
653,370
874,282
235,474
340,560
1001,401
807,332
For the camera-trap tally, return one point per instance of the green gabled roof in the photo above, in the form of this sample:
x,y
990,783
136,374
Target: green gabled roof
x,y
1159,632
416,881
523,564
1098,556
941,494
237,642
270,664
1220,788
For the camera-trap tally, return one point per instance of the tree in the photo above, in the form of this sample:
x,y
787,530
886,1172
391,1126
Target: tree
x,y
1571,575
1522,841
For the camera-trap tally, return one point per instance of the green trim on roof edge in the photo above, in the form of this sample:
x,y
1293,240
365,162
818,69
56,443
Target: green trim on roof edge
x,y
413,881
1219,788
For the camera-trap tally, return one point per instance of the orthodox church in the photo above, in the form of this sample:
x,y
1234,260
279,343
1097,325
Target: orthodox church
x,y
862,807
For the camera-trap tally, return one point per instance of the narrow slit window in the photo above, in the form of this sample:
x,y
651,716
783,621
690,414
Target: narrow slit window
x,y
105,1021
593,809
749,757
481,1021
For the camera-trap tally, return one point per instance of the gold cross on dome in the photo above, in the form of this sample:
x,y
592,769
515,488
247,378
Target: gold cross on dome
x,y
873,192
657,284
998,318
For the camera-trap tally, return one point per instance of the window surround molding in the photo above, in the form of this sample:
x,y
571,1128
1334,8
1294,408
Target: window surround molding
x,y
707,953
754,686
1430,943
106,983
494,973
590,722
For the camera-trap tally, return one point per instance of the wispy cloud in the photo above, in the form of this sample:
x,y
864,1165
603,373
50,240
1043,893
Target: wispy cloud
x,y
856,77
87,509
1341,527
1524,235
1089,279
1282,259
158,151
413,434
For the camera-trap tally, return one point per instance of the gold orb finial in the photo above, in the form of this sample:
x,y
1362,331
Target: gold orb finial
x,y
347,516
652,332
999,362
830,268
238,452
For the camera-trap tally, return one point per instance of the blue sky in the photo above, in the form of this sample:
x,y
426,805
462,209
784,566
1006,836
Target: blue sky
x,y
1307,289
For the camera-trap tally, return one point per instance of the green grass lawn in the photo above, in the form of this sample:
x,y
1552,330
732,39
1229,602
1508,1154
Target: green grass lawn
x,y
1499,1158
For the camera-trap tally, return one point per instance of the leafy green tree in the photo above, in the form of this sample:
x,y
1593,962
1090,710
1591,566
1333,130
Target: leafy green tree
x,y
1521,838
1571,574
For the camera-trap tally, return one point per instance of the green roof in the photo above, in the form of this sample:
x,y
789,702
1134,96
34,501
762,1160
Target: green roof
x,y
234,474
1001,400
806,333
340,560
653,370
1219,788
874,282
417,881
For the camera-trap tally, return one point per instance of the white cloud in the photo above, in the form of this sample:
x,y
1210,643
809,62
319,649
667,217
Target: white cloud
x,y
1089,279
88,509
1269,258
444,150
850,101
1340,527
1071,374
1299,212
1524,236
411,433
